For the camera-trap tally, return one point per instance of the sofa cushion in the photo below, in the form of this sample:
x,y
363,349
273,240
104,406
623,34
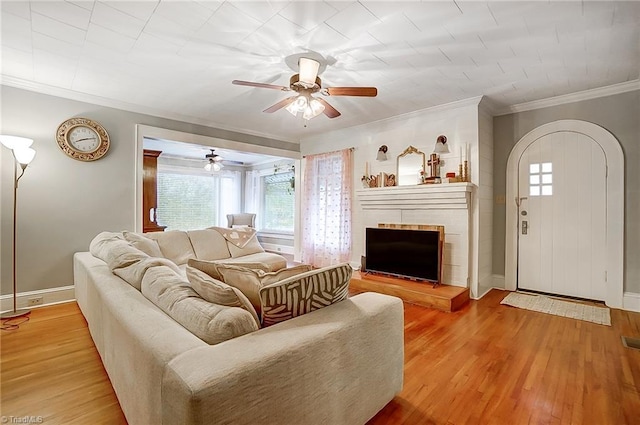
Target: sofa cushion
x,y
174,244
144,244
250,281
210,322
218,292
208,244
304,293
114,250
100,245
124,259
134,272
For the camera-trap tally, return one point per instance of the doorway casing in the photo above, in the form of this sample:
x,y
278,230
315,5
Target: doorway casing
x,y
614,209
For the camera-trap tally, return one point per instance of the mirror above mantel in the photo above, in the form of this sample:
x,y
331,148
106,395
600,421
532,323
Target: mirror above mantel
x,y
410,163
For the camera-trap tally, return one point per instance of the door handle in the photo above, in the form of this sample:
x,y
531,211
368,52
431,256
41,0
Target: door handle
x,y
525,227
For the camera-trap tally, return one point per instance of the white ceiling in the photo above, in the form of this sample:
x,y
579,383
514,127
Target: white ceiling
x,y
177,58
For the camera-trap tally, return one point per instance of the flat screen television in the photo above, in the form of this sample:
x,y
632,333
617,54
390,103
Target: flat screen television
x,y
403,252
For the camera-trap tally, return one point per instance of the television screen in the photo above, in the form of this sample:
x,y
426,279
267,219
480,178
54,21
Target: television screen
x,y
403,252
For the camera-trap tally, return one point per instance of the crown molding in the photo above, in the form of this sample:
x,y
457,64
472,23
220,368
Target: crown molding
x,y
472,101
571,98
19,83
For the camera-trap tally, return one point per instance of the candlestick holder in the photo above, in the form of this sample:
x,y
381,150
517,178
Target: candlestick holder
x,y
463,172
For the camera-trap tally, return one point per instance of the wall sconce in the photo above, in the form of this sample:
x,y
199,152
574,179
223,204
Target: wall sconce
x,y
441,145
382,153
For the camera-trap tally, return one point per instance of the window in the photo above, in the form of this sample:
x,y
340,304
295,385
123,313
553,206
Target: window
x,y
270,193
278,202
191,198
540,179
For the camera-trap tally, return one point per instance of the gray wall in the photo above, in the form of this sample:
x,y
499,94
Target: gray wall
x,y
620,115
64,203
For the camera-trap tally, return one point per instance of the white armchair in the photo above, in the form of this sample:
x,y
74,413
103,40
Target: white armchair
x,y
243,219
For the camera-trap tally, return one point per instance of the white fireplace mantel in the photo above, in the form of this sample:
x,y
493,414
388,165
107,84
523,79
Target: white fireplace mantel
x,y
446,204
419,197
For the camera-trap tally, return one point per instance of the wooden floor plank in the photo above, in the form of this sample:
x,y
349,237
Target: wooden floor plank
x,y
484,364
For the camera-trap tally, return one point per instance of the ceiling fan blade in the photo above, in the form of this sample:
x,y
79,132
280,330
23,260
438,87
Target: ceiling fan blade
x,y
280,105
261,85
329,110
352,91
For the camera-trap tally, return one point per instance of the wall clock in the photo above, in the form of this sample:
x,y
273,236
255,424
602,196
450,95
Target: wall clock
x,y
82,139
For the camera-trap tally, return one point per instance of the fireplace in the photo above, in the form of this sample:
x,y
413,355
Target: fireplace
x,y
447,205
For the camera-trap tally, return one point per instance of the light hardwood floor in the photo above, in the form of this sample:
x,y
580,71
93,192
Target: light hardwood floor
x,y
484,364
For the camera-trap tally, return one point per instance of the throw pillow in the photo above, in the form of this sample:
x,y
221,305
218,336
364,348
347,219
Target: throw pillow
x,y
144,244
241,241
250,281
211,267
238,236
304,293
218,292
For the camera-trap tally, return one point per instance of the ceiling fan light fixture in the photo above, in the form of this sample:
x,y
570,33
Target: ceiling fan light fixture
x,y
213,165
214,161
314,109
308,70
299,105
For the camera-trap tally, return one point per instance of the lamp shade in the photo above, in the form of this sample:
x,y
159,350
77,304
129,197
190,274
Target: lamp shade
x,y
24,155
308,70
13,142
441,145
213,165
382,153
314,109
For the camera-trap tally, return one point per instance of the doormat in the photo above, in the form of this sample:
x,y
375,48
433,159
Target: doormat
x,y
588,313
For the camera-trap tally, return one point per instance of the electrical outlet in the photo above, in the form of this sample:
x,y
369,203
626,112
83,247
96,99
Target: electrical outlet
x,y
34,301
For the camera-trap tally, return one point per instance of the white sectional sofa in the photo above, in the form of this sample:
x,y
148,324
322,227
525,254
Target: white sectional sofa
x,y
336,365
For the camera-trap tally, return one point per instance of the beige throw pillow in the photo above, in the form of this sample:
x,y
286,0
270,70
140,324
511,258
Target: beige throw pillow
x,y
250,281
144,244
304,293
218,292
211,267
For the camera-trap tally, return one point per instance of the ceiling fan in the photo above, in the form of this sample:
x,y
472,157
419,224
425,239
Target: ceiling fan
x,y
306,83
216,162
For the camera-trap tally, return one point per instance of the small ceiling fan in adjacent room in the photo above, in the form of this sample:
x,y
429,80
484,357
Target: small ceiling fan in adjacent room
x,y
215,161
306,83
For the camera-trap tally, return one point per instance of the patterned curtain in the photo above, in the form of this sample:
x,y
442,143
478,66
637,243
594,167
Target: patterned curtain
x,y
326,215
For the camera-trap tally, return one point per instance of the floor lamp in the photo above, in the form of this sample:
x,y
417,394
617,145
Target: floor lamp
x,y
22,155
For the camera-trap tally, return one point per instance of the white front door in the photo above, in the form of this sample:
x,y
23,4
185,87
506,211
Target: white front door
x,y
562,194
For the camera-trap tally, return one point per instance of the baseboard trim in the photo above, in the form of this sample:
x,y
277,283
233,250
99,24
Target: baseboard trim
x,y
49,296
631,301
498,281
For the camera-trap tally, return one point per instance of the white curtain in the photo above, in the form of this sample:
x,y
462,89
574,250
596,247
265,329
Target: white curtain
x,y
326,219
252,194
230,195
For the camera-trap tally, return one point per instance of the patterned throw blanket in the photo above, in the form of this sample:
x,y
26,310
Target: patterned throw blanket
x,y
239,236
